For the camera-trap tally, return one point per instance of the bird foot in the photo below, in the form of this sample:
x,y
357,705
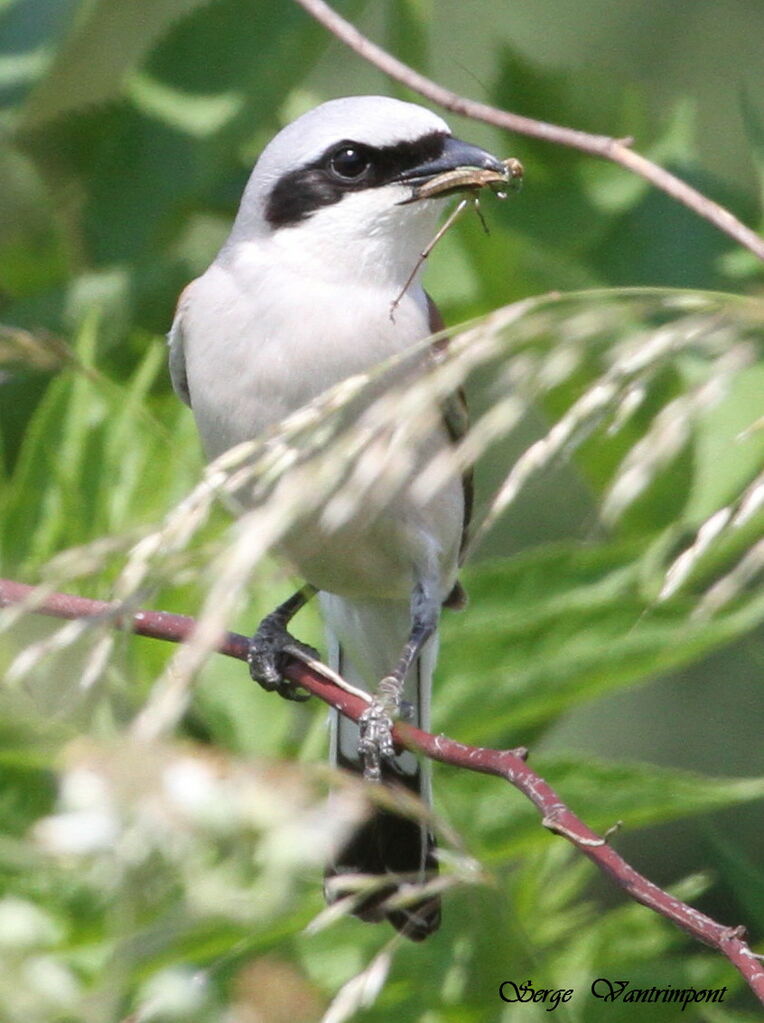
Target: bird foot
x,y
269,648
376,742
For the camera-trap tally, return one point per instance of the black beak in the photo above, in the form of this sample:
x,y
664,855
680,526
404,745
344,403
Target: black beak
x,y
455,155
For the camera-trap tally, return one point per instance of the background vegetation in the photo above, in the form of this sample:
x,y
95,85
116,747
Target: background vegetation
x,y
128,132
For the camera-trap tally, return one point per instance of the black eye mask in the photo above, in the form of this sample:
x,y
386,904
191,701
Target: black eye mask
x,y
301,192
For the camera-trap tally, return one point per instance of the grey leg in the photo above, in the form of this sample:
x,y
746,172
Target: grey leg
x,y
376,723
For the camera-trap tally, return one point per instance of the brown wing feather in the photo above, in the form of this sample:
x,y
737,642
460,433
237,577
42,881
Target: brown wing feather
x,y
456,421
177,358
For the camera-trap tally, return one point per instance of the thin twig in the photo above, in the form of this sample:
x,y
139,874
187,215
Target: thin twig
x,y
616,150
507,764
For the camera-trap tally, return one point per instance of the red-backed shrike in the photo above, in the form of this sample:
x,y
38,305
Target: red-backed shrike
x,y
299,298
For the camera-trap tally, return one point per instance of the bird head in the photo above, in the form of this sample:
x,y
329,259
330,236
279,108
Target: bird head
x,y
340,187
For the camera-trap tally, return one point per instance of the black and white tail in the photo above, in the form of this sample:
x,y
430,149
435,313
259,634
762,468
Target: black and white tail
x,y
365,641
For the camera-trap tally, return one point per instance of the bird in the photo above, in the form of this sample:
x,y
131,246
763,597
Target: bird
x,y
314,285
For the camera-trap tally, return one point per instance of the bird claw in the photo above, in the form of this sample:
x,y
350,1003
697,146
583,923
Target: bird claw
x,y
270,646
376,741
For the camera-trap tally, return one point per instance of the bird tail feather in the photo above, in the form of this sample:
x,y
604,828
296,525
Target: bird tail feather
x,y
388,844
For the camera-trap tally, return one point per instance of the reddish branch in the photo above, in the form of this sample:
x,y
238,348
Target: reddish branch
x,y
603,146
507,764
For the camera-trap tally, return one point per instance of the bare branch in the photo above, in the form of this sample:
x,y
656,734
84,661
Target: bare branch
x,y
507,764
616,150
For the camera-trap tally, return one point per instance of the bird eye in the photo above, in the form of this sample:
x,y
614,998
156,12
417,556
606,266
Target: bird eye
x,y
349,162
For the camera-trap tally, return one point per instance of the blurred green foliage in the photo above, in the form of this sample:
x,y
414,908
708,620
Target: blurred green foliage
x,y
128,132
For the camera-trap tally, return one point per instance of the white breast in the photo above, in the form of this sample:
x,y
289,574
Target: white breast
x,y
258,346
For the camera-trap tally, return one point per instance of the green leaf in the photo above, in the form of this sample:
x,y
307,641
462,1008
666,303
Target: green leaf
x,y
94,457
90,66
554,627
600,792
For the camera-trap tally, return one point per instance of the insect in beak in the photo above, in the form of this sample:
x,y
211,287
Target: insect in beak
x,y
467,181
470,180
